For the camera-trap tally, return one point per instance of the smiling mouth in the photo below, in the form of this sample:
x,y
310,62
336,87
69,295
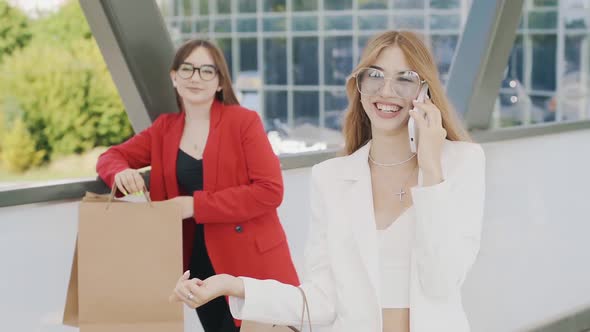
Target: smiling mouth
x,y
388,108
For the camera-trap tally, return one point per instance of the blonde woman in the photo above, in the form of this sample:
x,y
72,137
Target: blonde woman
x,y
393,233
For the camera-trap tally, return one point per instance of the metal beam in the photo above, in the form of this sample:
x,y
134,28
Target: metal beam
x,y
481,58
138,51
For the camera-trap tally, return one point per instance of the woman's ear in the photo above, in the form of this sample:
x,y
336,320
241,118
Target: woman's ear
x,y
173,78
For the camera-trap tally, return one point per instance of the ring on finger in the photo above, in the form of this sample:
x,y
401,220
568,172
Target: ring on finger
x,y
190,296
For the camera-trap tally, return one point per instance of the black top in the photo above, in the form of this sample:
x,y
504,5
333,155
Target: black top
x,y
189,173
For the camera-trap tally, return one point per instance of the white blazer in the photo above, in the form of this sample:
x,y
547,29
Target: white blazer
x,y
341,274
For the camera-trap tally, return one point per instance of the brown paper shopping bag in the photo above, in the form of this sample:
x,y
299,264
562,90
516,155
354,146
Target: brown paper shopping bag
x,y
127,260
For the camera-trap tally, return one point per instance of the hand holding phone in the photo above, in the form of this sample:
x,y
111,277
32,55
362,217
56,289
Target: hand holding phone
x,y
412,128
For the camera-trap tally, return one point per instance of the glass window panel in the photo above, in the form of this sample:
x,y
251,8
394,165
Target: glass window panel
x,y
305,5
362,43
275,61
305,60
248,54
186,26
545,3
306,107
373,22
275,110
224,6
225,45
204,7
541,110
512,110
372,4
544,59
576,19
274,24
445,4
274,5
223,25
187,7
201,25
408,4
247,6
247,25
337,4
338,22
570,4
443,48
542,20
514,72
410,22
337,59
446,21
574,94
335,103
307,23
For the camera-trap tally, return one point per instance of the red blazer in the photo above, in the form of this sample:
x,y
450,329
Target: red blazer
x,y
242,188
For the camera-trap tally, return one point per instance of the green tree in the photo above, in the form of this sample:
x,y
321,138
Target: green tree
x,y
14,29
20,153
64,27
60,87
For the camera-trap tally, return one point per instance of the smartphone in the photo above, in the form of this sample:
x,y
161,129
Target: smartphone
x,y
412,128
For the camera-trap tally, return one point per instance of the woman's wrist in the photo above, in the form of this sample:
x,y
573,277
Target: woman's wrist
x,y
235,287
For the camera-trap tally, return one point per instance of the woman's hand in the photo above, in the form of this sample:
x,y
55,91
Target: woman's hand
x,y
186,205
430,141
129,181
195,293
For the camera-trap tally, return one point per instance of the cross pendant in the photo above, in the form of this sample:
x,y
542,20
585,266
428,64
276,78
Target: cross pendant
x,y
401,194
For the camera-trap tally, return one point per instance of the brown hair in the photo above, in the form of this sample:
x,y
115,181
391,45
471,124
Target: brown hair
x,y
226,95
357,127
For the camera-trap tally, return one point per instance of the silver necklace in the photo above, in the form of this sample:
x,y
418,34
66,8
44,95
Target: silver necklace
x,y
401,192
391,165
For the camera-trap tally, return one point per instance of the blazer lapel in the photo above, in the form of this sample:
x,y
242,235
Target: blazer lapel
x,y
211,152
171,144
359,211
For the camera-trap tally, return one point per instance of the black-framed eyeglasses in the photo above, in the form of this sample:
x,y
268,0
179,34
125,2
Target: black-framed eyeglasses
x,y
206,72
405,84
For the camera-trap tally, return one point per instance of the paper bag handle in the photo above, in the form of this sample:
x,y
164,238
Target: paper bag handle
x,y
304,310
114,190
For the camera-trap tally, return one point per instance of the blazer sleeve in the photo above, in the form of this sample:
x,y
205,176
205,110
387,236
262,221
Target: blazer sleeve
x,y
263,194
134,153
272,302
448,225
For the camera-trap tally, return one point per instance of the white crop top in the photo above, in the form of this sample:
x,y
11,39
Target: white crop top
x,y
395,243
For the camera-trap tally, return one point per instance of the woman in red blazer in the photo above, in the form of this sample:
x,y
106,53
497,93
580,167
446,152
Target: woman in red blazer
x,y
212,158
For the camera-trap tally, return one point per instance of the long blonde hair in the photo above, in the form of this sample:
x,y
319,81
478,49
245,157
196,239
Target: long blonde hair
x,y
357,127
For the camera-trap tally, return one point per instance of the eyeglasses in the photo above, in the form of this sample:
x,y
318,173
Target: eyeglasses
x,y
206,72
406,84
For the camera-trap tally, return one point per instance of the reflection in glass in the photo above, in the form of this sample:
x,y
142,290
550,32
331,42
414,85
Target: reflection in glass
x,y
247,25
306,108
372,4
305,60
408,22
223,25
408,4
443,47
337,59
544,58
305,23
274,5
225,45
337,4
305,5
274,24
445,4
335,103
446,21
338,22
224,6
543,20
373,22
275,110
275,61
247,6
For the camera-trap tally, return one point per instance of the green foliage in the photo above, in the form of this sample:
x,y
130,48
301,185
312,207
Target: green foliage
x,y
60,88
14,30
19,152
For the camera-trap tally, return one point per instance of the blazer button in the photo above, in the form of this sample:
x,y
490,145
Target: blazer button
x,y
239,229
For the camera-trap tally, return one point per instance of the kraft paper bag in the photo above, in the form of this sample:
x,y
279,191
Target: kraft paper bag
x,y
127,260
